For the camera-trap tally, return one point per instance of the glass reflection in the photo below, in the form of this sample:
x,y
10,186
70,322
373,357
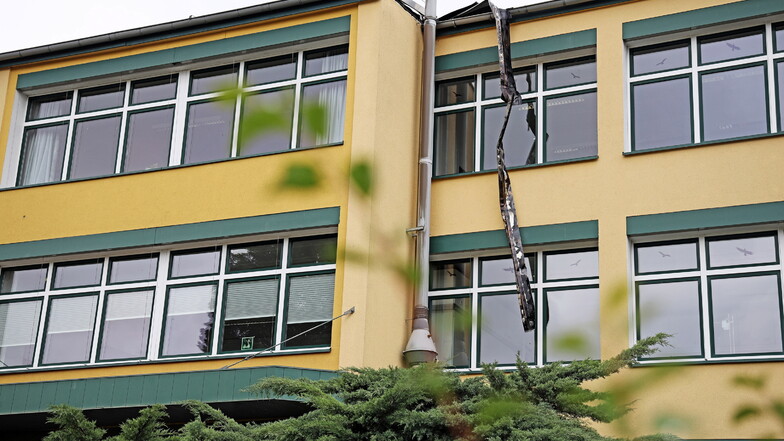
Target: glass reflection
x,y
18,332
43,151
189,320
500,271
313,250
658,59
195,262
572,328
257,256
69,329
672,308
267,119
734,103
133,269
571,127
579,265
461,90
148,139
126,325
525,81
662,114
214,80
271,70
742,251
49,106
32,278
451,274
501,335
738,45
95,147
99,98
672,257
519,138
208,133
745,315
249,315
155,89
69,275
454,149
451,328
326,60
571,73
309,304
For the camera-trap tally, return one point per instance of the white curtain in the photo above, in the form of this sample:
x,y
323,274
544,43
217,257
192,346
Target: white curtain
x,y
43,154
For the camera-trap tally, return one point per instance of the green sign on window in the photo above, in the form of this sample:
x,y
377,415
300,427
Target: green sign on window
x,y
247,343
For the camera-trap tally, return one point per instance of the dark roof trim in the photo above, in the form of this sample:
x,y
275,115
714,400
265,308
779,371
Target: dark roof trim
x,y
268,11
539,10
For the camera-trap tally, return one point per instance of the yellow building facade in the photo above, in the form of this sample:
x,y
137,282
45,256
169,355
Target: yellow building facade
x,y
146,240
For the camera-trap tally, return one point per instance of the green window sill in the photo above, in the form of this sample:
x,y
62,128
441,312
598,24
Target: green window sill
x,y
519,167
702,144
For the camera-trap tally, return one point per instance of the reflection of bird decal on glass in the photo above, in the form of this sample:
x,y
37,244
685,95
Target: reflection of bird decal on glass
x,y
733,47
574,75
744,251
457,95
451,274
576,263
664,254
662,61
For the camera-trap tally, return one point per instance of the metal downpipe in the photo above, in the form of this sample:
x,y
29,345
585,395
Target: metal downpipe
x,y
420,347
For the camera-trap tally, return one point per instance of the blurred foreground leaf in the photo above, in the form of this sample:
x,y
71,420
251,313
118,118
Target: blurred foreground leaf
x,y
300,176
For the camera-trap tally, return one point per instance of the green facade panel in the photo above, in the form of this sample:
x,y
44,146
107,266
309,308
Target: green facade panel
x,y
701,17
705,218
186,53
541,234
144,390
321,217
522,49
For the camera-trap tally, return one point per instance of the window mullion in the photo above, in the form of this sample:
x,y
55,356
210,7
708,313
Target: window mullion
x,y
69,138
180,111
44,313
473,364
695,94
706,325
217,320
297,96
771,80
123,127
159,300
235,148
539,310
99,311
281,294
478,120
539,115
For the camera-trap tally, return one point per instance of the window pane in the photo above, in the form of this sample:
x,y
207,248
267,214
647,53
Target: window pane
x,y
214,80
190,315
156,89
126,325
209,130
742,251
779,38
456,91
572,328
49,106
579,265
18,331
451,327
519,138
69,329
70,275
740,45
326,60
313,251
249,317
734,103
780,92
133,269
570,74
271,71
254,256
148,139
195,262
500,271
31,278
99,98
309,304
525,80
661,258
267,119
672,308
571,127
662,114
452,274
746,315
501,335
658,59
43,150
454,149
95,147
324,106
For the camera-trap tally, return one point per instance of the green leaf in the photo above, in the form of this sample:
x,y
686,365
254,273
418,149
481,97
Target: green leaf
x,y
362,176
314,118
300,176
756,383
745,412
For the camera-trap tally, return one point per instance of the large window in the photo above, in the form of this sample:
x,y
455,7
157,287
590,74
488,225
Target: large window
x,y
559,101
707,88
718,296
475,313
190,302
273,105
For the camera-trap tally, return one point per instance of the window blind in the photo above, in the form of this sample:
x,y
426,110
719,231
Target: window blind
x,y
257,298
310,298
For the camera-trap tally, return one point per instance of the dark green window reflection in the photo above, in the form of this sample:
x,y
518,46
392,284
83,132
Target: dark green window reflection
x,y
450,274
313,250
525,81
461,90
249,257
455,137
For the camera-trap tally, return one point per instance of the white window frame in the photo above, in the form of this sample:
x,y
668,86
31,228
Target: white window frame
x,y
540,286
183,71
539,97
702,274
769,59
161,285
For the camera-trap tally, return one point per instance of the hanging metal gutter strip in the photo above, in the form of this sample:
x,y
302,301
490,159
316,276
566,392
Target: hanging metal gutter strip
x,y
420,347
533,9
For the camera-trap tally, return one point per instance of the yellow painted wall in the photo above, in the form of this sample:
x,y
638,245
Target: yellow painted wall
x,y
613,187
381,127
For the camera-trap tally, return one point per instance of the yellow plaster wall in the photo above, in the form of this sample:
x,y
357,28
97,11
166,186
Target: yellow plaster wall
x,y
385,135
615,186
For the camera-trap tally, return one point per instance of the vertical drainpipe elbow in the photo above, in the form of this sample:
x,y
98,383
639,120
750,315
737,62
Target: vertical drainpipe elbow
x,y
420,347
